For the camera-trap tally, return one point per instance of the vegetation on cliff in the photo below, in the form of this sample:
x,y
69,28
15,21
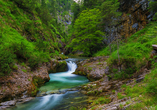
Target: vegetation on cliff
x,y
135,53
88,37
90,19
33,32
135,57
127,57
29,32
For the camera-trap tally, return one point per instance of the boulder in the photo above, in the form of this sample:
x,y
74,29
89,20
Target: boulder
x,y
57,66
93,68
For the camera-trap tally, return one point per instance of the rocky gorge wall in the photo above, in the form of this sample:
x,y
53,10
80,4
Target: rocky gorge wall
x,y
135,15
23,82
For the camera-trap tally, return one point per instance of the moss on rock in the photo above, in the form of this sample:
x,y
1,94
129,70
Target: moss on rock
x,y
57,66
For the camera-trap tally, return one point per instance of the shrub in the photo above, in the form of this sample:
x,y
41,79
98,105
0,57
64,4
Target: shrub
x,y
101,100
14,67
104,100
121,75
120,96
24,70
152,86
6,60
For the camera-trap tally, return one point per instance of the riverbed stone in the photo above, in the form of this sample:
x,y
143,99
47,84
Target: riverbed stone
x,y
4,107
9,103
25,100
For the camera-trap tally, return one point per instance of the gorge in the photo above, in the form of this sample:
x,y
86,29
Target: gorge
x,y
59,93
115,37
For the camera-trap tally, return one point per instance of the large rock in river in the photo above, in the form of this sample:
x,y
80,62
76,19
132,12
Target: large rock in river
x,y
93,68
57,66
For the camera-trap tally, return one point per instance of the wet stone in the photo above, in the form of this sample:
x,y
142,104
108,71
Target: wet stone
x,y
8,103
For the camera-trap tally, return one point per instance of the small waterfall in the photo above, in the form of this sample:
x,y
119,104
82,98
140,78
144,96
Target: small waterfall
x,y
71,66
59,82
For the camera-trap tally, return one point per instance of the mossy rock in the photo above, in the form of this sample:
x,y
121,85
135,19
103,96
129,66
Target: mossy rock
x,y
38,81
60,66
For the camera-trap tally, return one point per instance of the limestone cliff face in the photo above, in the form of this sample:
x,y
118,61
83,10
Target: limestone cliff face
x,y
24,82
135,16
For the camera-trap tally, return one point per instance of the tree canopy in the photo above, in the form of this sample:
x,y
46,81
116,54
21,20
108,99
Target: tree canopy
x,y
88,36
90,19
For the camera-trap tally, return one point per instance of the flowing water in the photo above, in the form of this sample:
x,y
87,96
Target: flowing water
x,y
59,96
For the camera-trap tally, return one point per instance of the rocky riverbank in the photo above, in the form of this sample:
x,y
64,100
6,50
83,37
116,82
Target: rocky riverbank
x,y
110,95
23,83
106,93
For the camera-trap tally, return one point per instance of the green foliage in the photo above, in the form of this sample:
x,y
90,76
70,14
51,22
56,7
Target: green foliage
x,y
89,3
88,37
104,100
109,11
84,109
24,70
122,75
76,10
103,52
19,87
152,5
121,106
27,5
90,18
152,86
144,92
6,60
101,100
89,68
152,83
120,96
23,64
106,51
113,91
73,108
155,16
27,34
135,91
135,53
14,67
